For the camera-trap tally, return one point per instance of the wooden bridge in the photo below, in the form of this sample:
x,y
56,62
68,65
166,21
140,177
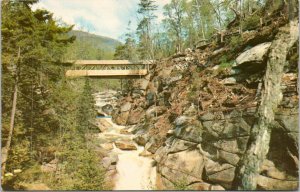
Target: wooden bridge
x,y
108,68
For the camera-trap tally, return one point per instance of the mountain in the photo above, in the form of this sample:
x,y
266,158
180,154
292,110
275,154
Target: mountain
x,y
91,46
98,40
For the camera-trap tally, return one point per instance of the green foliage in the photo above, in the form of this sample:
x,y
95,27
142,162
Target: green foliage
x,y
128,50
251,22
90,174
235,42
146,10
175,13
273,5
224,63
181,185
45,125
41,42
86,111
89,46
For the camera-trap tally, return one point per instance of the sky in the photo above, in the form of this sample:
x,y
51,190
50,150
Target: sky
x,y
101,17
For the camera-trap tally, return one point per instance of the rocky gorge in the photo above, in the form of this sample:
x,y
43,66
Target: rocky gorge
x,y
126,168
220,116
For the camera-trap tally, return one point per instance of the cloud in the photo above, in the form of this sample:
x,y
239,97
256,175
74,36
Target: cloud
x,y
102,17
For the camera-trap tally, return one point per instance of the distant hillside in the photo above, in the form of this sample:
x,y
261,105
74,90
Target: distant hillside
x,y
97,40
91,46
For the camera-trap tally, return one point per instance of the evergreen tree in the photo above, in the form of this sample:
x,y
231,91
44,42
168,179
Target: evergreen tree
x,y
128,50
146,11
33,43
86,111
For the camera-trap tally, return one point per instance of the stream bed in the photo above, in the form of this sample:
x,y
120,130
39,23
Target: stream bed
x,y
133,172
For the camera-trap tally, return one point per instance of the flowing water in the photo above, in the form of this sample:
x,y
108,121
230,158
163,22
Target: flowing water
x,y
134,172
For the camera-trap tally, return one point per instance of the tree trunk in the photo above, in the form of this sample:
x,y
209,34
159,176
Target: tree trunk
x,y
5,150
258,147
201,21
241,18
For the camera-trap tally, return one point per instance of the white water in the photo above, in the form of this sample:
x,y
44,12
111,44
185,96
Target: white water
x,y
134,172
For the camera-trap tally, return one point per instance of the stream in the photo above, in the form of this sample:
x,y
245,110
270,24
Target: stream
x,y
134,172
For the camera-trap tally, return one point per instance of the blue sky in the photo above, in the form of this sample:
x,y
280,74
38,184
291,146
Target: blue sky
x,y
102,17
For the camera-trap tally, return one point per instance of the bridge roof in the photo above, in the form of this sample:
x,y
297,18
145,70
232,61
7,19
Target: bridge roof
x,y
109,62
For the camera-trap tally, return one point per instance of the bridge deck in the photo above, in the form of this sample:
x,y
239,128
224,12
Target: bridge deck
x,y
110,62
105,73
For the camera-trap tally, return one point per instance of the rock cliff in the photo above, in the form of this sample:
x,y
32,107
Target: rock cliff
x,y
198,113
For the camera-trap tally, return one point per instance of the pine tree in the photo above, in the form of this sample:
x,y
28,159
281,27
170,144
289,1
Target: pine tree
x,y
33,44
86,111
146,9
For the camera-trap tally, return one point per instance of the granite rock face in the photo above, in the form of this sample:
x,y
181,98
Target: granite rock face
x,y
196,121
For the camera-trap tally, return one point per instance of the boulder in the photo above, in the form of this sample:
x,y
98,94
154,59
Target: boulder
x,y
141,127
268,168
125,145
289,122
163,183
188,128
105,162
229,81
207,116
185,165
230,158
107,146
224,177
145,153
228,128
150,97
266,183
202,186
107,109
222,174
122,118
136,96
230,146
112,159
141,84
160,154
191,111
126,107
165,72
180,145
153,144
141,138
103,124
136,116
155,110
212,167
50,167
255,55
173,79
125,131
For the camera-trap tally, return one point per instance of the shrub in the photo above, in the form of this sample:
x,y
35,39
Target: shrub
x,y
235,41
181,185
224,63
250,22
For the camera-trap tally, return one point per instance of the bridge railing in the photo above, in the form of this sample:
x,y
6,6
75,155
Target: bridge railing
x,y
106,68
110,64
